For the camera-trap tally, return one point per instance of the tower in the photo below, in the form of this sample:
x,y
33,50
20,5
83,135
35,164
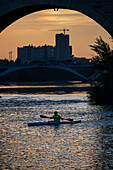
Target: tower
x,y
62,47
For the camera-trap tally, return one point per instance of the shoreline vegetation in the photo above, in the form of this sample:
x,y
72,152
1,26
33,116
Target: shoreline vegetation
x,y
102,89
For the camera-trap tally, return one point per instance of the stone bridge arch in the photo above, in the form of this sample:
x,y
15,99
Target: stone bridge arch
x,y
99,10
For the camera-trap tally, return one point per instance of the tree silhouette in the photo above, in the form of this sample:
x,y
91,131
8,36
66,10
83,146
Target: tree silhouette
x,y
102,89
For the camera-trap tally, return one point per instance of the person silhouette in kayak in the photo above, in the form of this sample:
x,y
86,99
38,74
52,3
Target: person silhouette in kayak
x,y
56,117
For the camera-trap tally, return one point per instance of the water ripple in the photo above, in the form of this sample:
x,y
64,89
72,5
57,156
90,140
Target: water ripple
x,y
88,145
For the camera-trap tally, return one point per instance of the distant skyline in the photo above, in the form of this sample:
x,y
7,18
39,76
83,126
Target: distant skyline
x,y
34,29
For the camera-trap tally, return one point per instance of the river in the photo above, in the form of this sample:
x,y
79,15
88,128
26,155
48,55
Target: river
x,y
84,146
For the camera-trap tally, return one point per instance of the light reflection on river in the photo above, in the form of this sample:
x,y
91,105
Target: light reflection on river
x,y
88,145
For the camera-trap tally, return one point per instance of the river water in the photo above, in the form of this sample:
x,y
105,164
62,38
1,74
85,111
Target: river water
x,y
83,146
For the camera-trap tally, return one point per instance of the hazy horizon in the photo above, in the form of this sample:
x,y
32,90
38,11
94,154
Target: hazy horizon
x,y
34,29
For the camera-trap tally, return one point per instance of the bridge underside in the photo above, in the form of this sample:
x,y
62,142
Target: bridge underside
x,y
16,14
99,10
39,75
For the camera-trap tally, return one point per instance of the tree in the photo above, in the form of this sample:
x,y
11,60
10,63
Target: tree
x,y
102,89
18,61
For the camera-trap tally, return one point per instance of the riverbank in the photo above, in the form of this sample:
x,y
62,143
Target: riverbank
x,y
44,88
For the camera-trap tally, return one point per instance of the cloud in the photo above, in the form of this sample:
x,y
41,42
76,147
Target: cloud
x,y
51,18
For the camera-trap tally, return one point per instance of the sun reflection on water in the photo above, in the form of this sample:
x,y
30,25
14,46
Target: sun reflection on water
x,y
87,145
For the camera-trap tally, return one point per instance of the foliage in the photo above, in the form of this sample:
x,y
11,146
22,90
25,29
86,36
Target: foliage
x,y
4,62
7,62
102,89
18,61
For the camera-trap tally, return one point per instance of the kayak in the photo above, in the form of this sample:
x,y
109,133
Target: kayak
x,y
53,123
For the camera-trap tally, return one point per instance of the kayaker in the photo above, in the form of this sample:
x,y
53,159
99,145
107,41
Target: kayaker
x,y
56,117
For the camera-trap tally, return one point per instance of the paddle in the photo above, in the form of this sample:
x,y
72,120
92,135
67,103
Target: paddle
x,y
43,116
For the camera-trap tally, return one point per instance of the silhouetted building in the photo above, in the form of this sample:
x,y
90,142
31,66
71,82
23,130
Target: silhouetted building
x,y
31,53
62,49
60,52
82,60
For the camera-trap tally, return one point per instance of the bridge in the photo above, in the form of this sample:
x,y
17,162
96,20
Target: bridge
x,y
100,11
96,75
65,68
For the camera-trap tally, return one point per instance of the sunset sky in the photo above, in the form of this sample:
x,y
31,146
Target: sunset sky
x,y
34,29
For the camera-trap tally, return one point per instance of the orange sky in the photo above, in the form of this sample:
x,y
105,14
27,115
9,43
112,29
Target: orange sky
x,y
34,29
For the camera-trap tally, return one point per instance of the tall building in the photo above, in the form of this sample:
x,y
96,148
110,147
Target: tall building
x,y
62,49
60,52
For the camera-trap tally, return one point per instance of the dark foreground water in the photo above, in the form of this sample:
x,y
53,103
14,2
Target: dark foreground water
x,y
84,146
